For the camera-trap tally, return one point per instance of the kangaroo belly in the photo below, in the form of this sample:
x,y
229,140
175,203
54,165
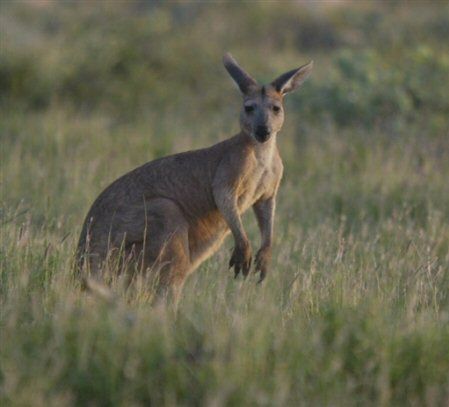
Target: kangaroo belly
x,y
206,235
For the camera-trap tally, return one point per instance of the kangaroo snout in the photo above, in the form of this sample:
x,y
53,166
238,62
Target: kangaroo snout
x,y
262,133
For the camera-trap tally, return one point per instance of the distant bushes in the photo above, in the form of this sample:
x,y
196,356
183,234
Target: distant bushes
x,y
369,87
92,61
126,58
22,81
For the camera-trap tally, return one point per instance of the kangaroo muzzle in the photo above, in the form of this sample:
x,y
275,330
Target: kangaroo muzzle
x,y
262,133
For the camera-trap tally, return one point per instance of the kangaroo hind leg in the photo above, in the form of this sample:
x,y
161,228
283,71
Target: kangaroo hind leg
x,y
166,253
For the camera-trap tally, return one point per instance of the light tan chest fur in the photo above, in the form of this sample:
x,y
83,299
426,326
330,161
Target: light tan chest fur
x,y
259,181
262,180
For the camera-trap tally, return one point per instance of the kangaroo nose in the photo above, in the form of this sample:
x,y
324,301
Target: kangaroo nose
x,y
262,133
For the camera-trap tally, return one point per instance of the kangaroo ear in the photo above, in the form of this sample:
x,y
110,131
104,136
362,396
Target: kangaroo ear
x,y
241,78
291,80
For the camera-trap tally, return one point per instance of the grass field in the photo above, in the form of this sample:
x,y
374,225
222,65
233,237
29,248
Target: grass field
x,y
355,310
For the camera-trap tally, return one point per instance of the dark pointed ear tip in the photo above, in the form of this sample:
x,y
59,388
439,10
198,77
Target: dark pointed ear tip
x,y
309,65
228,58
305,69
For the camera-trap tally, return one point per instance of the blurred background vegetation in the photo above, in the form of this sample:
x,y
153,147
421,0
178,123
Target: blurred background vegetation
x,y
377,62
356,309
144,79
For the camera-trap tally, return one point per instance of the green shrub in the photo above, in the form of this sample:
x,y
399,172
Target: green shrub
x,y
370,88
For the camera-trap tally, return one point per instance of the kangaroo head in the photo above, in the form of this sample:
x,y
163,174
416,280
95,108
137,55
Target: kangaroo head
x,y
262,114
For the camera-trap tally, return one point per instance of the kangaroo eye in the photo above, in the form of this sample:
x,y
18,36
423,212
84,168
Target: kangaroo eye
x,y
276,109
249,108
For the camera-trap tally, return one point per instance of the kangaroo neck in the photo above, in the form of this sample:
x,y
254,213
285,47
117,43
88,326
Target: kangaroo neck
x,y
264,151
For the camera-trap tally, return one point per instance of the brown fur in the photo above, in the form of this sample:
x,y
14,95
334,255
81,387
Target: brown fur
x,y
171,214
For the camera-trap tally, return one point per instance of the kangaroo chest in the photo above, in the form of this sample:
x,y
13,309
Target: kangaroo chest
x,y
260,182
259,179
208,233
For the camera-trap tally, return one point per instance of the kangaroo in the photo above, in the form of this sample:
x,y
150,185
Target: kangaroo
x,y
171,214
